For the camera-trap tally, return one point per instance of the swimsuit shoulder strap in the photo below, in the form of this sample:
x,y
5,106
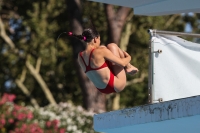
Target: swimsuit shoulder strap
x,y
81,55
90,57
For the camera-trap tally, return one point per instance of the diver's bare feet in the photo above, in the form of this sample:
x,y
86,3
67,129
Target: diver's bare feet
x,y
131,70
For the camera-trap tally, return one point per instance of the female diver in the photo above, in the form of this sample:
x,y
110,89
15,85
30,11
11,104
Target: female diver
x,y
105,66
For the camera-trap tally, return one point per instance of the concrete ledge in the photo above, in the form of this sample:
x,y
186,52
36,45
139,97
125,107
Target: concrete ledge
x,y
180,114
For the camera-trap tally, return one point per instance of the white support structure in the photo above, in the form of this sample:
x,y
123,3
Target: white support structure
x,y
177,116
157,7
174,66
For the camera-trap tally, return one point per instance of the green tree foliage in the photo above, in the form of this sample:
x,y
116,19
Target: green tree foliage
x,y
46,20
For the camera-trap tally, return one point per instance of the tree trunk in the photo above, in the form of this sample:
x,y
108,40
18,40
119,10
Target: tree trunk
x,y
27,93
126,34
116,21
35,73
92,98
6,38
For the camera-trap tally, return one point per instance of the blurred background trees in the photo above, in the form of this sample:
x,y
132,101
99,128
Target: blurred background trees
x,y
41,71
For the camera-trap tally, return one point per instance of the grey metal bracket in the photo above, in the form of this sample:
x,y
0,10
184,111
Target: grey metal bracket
x,y
158,51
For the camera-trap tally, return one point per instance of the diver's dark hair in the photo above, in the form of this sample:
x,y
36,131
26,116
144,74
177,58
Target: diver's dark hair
x,y
87,35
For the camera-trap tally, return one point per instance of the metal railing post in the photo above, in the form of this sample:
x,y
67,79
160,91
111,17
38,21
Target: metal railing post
x,y
160,32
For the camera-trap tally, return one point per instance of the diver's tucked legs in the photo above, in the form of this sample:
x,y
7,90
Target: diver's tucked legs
x,y
129,69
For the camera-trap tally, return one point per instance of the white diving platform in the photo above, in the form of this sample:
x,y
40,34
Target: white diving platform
x,y
176,116
157,7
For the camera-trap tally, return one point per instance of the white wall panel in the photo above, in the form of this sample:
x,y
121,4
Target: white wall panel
x,y
176,71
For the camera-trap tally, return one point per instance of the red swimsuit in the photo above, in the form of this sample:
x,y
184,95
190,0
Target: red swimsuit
x,y
110,86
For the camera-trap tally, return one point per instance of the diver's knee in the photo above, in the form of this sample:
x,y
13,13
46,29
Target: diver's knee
x,y
112,46
120,89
